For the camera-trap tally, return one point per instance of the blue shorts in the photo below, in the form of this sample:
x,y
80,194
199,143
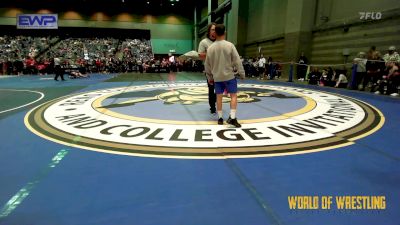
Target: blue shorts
x,y
230,86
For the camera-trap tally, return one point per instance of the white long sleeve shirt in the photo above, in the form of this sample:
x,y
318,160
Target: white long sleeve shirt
x,y
222,60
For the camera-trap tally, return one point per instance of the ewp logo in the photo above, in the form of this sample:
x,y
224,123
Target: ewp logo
x,y
37,21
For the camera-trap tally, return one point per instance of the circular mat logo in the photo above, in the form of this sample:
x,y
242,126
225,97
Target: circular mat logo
x,y
173,121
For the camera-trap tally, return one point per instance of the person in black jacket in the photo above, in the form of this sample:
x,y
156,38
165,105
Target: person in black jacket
x,y
302,69
202,50
375,67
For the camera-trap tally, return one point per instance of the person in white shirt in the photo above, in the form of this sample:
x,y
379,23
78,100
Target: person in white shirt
x,y
361,74
57,69
261,66
341,80
222,62
202,50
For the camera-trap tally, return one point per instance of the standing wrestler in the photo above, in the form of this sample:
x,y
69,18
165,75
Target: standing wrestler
x,y
203,46
222,62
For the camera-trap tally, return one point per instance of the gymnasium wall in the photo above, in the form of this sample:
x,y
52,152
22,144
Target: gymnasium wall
x,y
204,11
265,28
167,31
336,27
344,10
344,31
266,19
328,45
272,48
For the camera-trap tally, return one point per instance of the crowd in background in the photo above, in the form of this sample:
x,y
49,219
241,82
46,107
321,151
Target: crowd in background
x,y
28,55
379,74
34,55
370,71
17,53
262,68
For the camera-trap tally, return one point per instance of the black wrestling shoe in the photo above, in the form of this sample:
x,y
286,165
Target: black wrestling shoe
x,y
213,111
233,122
220,121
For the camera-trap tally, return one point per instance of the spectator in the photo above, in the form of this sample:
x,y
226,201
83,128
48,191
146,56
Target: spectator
x,y
341,79
391,56
302,68
371,51
314,76
374,67
261,67
391,81
323,80
270,68
361,74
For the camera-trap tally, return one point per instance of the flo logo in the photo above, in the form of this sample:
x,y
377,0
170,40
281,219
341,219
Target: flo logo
x,y
370,15
164,120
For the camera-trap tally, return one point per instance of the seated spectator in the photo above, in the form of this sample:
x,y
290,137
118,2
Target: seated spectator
x,y
394,80
390,82
330,83
324,79
341,79
314,76
391,56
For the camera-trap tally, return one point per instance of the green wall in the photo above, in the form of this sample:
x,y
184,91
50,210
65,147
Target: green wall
x,y
300,25
328,45
163,46
166,31
285,28
341,11
266,19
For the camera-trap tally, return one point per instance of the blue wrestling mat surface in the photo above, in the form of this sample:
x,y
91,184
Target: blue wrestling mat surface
x,y
144,149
